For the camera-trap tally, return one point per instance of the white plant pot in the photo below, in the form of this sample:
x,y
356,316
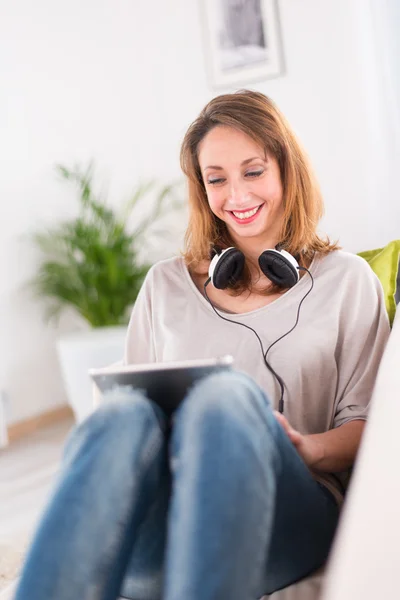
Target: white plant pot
x,y
82,351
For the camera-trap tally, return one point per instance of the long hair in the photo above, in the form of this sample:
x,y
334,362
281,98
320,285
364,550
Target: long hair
x,y
257,116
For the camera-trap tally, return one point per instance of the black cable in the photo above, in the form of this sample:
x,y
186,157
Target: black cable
x,y
281,401
278,378
298,311
264,354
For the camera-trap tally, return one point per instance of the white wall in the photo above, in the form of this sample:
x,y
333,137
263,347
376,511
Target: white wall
x,y
120,81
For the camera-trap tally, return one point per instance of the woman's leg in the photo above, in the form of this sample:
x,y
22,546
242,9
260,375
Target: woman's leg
x,y
229,457
114,464
144,574
304,524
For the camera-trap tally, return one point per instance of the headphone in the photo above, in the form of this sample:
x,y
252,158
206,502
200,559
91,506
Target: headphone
x,y
226,268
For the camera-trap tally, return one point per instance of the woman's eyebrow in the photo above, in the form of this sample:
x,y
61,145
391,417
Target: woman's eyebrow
x,y
245,162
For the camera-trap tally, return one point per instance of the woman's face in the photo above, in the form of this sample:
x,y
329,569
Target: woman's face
x,y
243,185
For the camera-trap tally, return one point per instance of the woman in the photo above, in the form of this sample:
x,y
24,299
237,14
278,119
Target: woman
x,y
232,499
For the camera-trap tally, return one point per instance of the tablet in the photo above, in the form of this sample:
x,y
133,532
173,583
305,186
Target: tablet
x,y
165,383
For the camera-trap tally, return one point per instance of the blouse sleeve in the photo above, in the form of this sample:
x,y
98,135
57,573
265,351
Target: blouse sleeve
x,y
363,333
139,345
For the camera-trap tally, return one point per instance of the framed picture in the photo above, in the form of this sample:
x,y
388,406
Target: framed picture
x,y
242,41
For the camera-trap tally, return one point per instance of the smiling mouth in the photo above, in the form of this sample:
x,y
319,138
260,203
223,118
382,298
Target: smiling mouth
x,y
246,216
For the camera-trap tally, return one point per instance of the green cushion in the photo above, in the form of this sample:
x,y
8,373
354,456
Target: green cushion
x,y
385,263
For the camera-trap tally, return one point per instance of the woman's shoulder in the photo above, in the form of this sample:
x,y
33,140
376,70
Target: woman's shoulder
x,y
167,272
340,263
348,277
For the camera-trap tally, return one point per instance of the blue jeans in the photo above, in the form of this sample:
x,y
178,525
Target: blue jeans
x,y
219,506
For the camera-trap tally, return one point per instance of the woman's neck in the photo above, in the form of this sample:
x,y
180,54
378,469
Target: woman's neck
x,y
252,250
252,247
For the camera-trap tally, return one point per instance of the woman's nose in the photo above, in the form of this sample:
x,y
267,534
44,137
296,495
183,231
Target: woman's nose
x,y
237,195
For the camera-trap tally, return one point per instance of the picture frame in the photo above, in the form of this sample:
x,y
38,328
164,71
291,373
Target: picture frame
x,y
242,40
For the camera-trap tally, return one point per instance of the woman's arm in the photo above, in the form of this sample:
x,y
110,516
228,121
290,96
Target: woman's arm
x,y
331,452
363,329
139,343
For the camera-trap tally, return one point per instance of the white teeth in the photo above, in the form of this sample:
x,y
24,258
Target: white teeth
x,y
247,214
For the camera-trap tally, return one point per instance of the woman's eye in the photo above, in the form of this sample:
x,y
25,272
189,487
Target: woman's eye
x,y
254,173
249,174
215,181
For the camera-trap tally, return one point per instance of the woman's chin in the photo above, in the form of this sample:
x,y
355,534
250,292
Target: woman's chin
x,y
254,231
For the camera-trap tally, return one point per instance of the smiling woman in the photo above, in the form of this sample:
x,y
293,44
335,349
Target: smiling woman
x,y
227,499
240,155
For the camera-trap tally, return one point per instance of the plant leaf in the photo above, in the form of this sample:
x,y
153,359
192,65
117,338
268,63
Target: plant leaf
x,y
90,263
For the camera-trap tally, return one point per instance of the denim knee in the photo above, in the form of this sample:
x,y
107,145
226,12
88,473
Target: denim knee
x,y
222,402
116,422
229,393
227,420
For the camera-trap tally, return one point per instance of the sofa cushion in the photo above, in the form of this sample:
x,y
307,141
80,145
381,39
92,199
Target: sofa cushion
x,y
385,263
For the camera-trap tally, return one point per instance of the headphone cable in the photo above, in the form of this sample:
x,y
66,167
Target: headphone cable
x,y
264,353
298,312
278,378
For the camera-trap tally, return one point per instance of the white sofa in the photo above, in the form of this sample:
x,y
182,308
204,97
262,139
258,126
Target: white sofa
x,y
365,561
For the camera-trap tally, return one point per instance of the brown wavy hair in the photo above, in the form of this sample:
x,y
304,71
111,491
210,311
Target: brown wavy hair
x,y
257,116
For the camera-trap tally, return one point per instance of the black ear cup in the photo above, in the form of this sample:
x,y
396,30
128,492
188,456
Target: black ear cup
x,y
227,268
279,267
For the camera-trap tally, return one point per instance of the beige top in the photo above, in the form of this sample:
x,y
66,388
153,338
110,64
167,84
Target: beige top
x,y
328,362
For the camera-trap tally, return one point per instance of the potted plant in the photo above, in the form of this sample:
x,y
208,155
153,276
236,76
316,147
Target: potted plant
x,y
92,264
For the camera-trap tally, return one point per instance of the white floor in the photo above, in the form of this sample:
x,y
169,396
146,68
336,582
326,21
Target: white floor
x,y
27,471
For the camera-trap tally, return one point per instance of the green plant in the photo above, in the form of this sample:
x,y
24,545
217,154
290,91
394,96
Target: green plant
x,y
91,263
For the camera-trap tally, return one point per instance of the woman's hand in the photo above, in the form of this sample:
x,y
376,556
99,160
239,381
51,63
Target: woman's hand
x,y
310,449
330,452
